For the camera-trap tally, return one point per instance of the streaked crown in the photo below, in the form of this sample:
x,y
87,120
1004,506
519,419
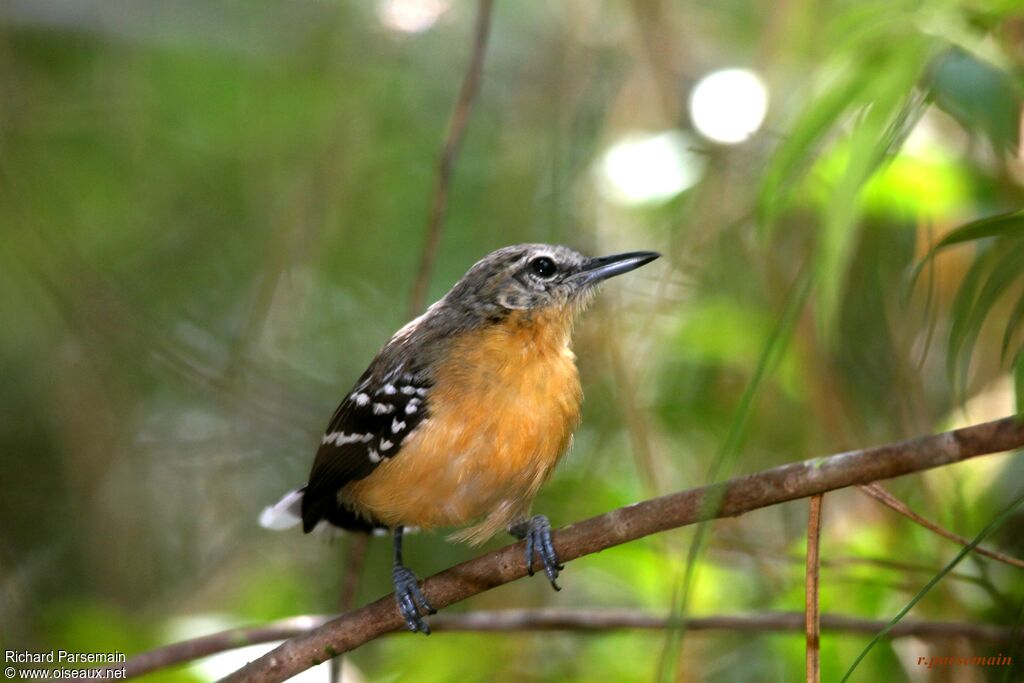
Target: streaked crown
x,y
534,276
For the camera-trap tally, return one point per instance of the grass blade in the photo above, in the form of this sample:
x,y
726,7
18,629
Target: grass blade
x,y
1018,381
1016,316
771,354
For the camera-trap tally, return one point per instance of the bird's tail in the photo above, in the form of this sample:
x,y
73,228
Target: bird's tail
x,y
285,513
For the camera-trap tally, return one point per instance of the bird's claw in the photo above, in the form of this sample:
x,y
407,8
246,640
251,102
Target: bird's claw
x,y
407,595
538,536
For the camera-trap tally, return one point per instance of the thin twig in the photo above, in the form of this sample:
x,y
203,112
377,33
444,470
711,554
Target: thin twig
x,y
880,494
355,561
358,546
449,152
417,296
758,553
735,497
583,621
204,646
569,620
446,163
812,608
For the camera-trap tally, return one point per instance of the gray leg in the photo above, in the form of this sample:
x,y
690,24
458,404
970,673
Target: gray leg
x,y
537,532
408,593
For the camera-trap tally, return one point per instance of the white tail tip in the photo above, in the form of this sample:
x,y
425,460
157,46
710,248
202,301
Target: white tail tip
x,y
285,513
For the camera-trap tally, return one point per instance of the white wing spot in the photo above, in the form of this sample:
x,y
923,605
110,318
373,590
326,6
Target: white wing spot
x,y
382,408
389,389
421,392
408,390
342,438
360,398
396,426
411,408
385,444
374,456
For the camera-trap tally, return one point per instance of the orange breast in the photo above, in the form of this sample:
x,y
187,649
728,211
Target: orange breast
x,y
502,411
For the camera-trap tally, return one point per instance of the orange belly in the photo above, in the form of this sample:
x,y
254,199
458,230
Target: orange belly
x,y
501,415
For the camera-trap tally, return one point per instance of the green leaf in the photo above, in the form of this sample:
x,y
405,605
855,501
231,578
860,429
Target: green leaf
x,y
973,300
799,149
1006,269
1012,323
1010,225
1018,381
980,95
894,109
963,305
1004,225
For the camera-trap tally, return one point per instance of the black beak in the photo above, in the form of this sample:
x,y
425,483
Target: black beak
x,y
597,269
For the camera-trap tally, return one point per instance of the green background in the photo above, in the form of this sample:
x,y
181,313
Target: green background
x,y
212,214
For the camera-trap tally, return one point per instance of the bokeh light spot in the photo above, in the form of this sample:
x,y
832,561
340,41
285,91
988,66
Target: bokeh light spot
x,y
411,16
649,168
728,106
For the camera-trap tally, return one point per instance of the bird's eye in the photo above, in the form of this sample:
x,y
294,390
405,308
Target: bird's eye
x,y
543,266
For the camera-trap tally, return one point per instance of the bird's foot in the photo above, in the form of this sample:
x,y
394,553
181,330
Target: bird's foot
x,y
537,532
407,595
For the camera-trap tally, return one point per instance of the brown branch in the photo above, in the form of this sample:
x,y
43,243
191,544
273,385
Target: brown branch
x,y
879,493
812,608
580,621
449,152
737,496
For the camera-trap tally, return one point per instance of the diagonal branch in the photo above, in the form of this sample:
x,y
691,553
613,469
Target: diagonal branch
x,y
446,163
737,496
879,493
579,621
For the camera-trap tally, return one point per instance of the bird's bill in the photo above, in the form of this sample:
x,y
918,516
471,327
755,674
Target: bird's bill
x,y
598,269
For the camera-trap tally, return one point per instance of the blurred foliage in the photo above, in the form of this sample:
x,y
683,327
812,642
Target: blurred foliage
x,y
211,218
997,267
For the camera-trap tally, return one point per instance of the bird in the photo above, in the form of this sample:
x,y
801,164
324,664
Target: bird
x,y
461,416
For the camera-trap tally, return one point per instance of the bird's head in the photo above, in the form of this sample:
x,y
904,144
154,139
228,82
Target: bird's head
x,y
536,277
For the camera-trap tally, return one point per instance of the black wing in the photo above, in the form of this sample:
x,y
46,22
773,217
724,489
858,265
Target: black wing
x,y
369,426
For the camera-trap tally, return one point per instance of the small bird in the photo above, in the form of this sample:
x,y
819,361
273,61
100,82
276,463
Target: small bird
x,y
462,416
